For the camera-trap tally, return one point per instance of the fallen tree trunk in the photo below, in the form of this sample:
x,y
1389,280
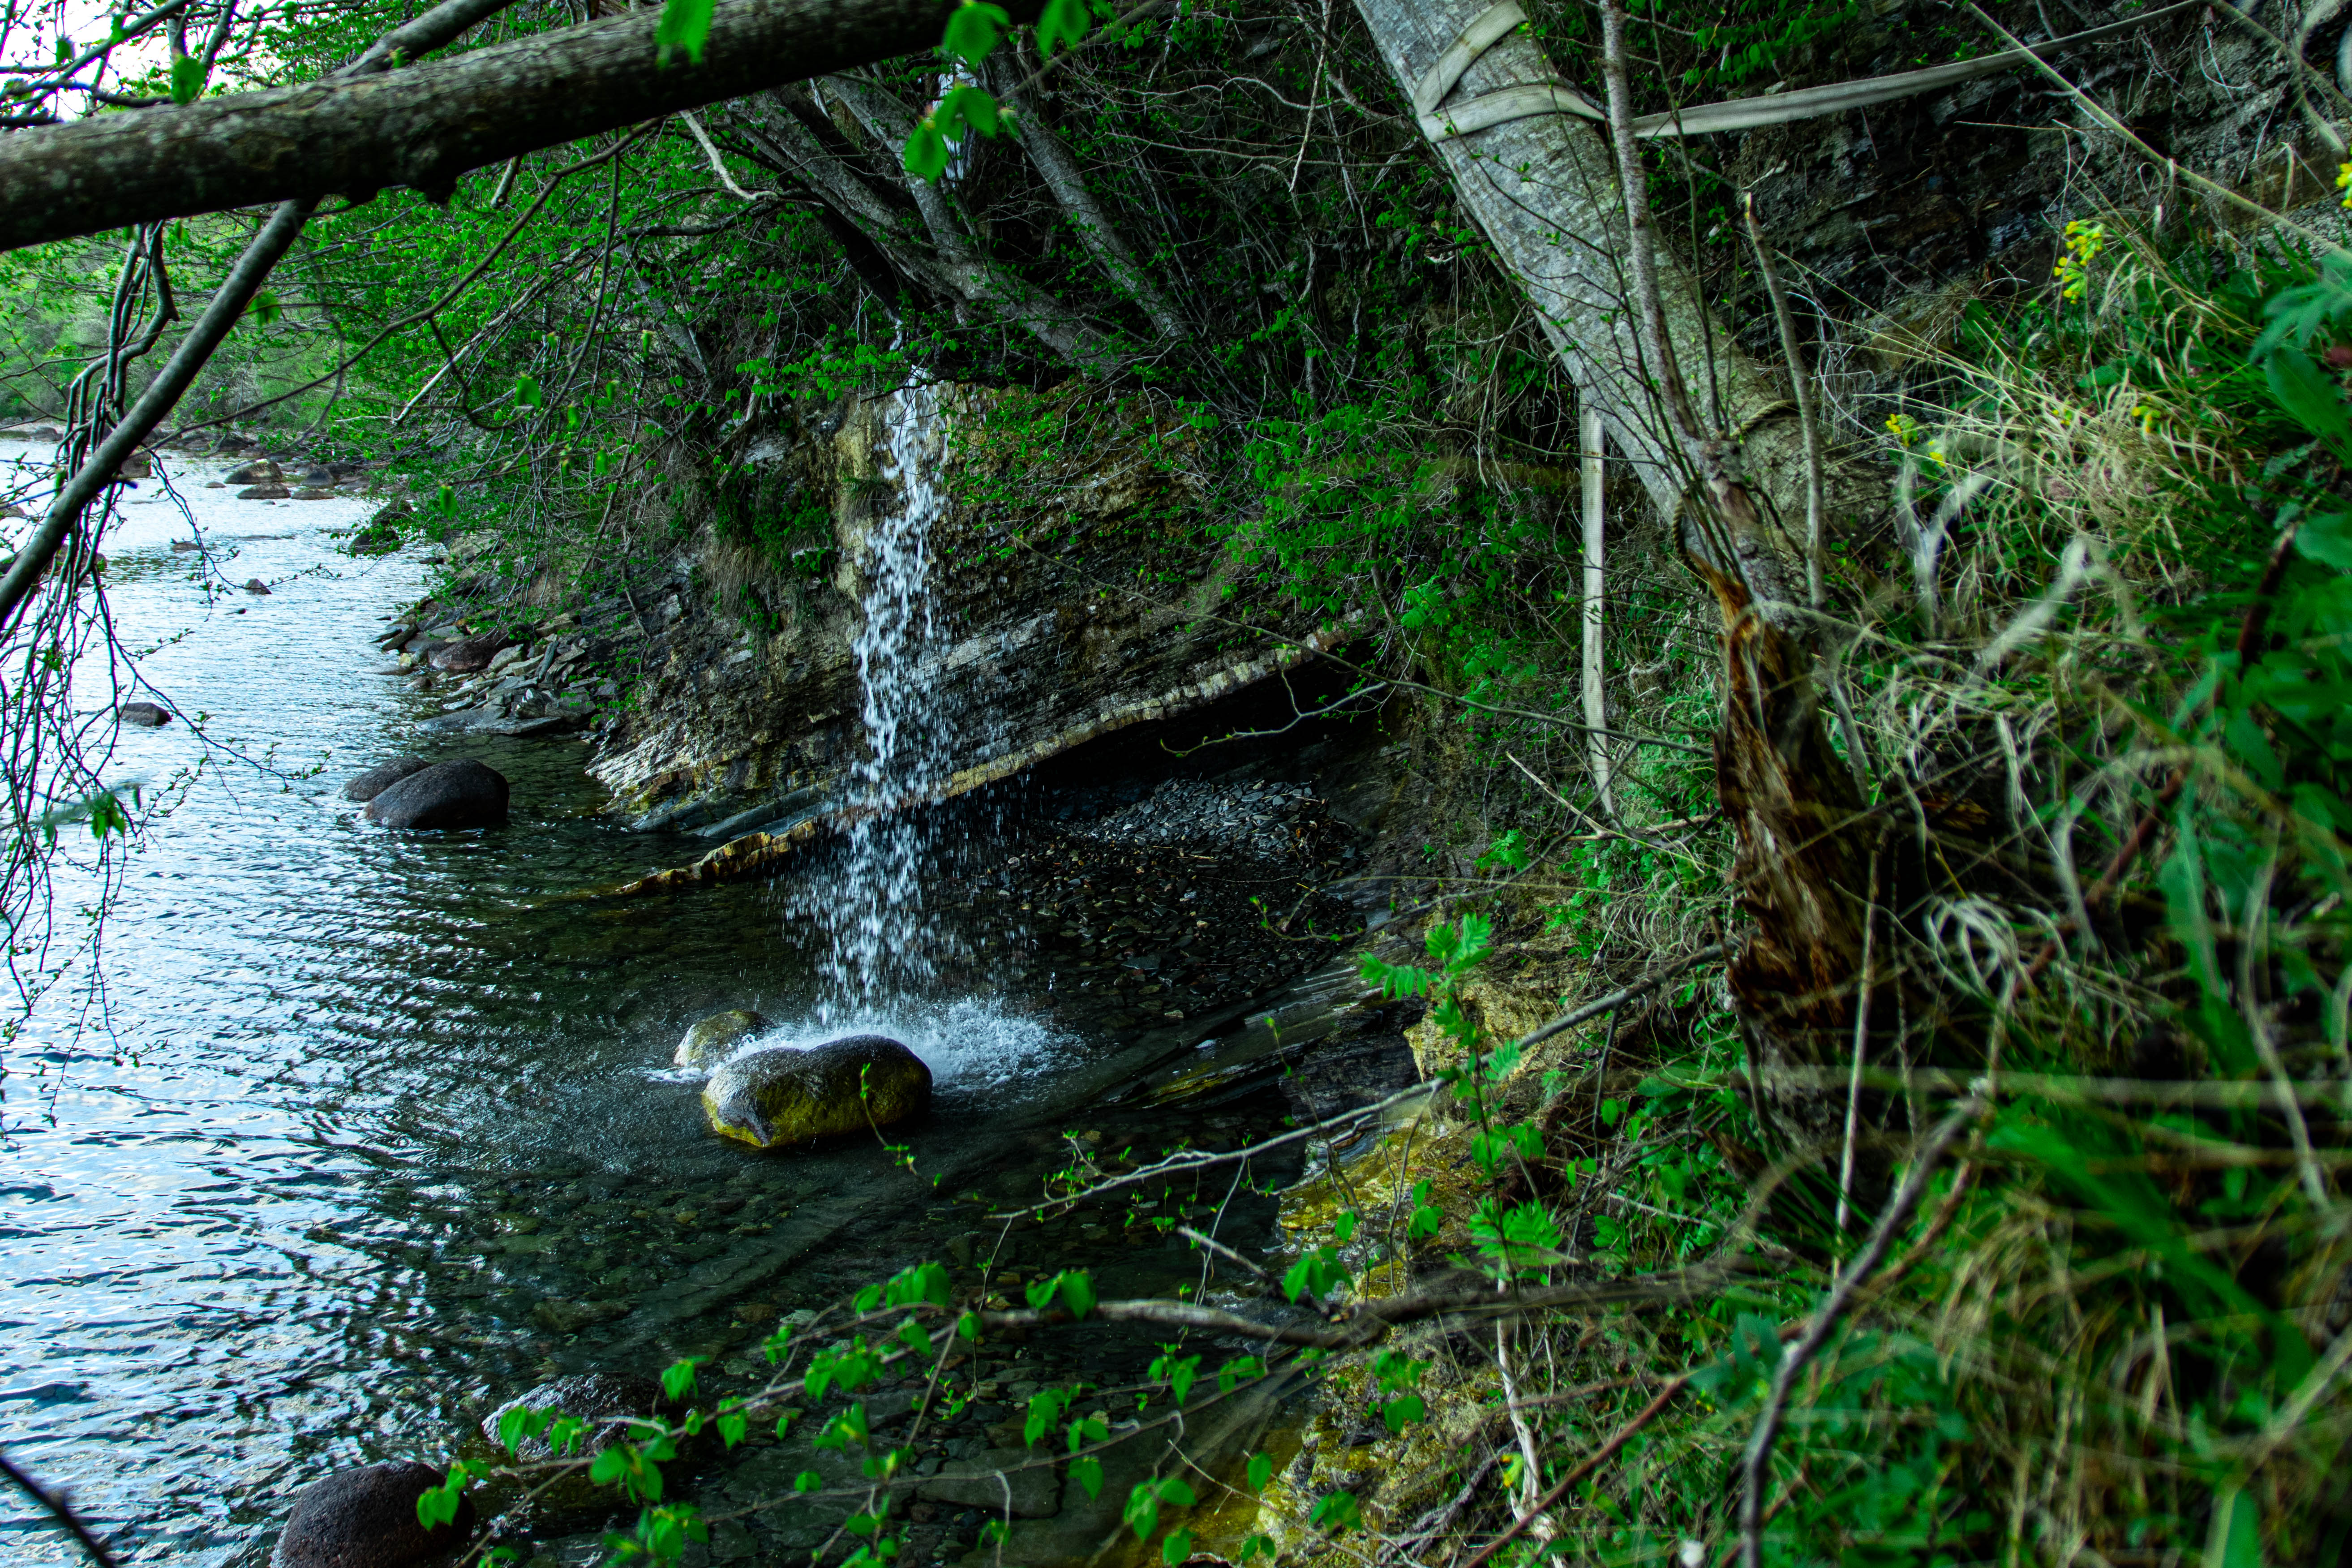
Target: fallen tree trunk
x,y
425,125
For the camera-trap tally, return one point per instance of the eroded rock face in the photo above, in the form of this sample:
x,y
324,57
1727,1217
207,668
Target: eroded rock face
x,y
366,1517
709,1042
741,731
783,1095
460,793
382,776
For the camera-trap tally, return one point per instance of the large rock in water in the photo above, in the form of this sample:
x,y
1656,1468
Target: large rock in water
x,y
382,776
148,714
261,472
461,794
367,1519
782,1095
605,1401
706,1044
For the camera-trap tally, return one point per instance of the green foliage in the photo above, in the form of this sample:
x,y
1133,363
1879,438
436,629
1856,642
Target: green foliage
x,y
685,25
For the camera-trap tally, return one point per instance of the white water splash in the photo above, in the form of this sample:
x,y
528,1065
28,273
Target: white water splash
x,y
884,941
970,1044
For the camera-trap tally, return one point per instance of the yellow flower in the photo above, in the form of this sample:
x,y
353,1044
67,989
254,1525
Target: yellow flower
x,y
2085,241
1903,428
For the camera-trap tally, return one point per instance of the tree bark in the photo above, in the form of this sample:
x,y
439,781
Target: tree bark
x,y
1546,190
1623,313
1096,231
425,125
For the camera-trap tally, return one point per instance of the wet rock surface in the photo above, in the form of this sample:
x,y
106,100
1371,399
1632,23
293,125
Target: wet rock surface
x,y
366,1517
781,1095
459,793
382,776
710,1041
147,715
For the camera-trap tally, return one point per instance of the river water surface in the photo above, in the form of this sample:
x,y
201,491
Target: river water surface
x,y
367,1131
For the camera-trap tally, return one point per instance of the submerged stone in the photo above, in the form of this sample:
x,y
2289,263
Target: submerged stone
x,y
781,1095
706,1044
366,1517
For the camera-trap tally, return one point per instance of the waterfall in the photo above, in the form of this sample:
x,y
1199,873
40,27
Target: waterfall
x,y
883,939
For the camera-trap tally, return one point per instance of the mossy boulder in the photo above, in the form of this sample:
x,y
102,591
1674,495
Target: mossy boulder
x,y
706,1044
779,1095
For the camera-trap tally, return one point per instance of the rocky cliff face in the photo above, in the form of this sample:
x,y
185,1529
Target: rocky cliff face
x,y
748,722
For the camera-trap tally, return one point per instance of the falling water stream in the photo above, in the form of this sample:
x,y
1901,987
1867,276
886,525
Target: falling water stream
x,y
884,943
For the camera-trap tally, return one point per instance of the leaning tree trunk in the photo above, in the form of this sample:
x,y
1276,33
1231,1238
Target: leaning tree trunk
x,y
1547,192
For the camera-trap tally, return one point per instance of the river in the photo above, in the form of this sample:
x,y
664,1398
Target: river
x,y
364,1132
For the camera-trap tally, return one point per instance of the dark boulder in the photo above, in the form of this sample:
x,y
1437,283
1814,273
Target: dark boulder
x,y
261,472
146,714
264,492
460,793
317,474
473,654
256,585
367,1519
382,776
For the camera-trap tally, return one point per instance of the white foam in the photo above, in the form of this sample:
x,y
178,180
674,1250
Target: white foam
x,y
968,1043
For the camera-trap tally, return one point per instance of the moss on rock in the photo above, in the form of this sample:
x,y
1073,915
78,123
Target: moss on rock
x,y
781,1095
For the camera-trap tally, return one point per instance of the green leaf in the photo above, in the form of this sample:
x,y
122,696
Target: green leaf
x,y
2327,540
1336,1512
1255,1545
927,152
731,1428
1142,1511
520,1425
967,108
1313,1275
2311,396
2235,1538
526,392
1063,26
1178,1546
438,1506
1344,1227
1078,1292
1260,1470
188,78
807,1482
678,1378
973,30
1401,1411
1087,1471
683,25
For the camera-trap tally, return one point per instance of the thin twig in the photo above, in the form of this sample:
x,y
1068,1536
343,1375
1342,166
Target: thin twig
x,y
65,1516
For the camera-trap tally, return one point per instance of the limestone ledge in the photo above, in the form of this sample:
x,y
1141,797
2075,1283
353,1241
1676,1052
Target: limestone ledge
x,y
758,854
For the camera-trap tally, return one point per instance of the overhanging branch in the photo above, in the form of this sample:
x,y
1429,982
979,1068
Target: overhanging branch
x,y
425,125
